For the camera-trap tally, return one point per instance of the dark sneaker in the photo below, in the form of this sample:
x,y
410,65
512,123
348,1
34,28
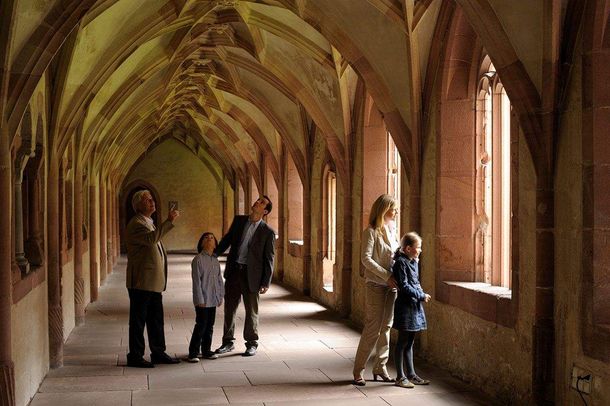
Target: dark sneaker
x,y
223,349
210,355
250,351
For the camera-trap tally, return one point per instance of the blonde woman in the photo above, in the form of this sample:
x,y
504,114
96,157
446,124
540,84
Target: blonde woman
x,y
379,241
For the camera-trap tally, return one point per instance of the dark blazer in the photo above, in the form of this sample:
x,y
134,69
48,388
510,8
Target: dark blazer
x,y
261,252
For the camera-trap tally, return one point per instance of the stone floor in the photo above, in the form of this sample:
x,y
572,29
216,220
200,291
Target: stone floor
x,y
305,357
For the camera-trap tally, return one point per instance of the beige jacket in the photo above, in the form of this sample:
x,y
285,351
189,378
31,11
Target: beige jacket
x,y
376,256
146,264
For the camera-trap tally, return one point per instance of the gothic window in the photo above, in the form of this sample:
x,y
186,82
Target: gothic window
x,y
493,180
329,226
393,173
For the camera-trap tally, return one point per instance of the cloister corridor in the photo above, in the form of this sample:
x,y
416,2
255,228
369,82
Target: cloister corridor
x,y
305,358
484,124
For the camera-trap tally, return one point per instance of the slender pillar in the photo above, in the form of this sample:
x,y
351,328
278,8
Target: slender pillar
x,y
20,258
93,241
226,221
307,248
115,228
544,328
7,368
109,221
281,242
103,242
56,323
33,243
23,155
345,300
77,234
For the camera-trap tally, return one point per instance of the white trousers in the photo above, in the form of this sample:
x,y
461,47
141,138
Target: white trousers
x,y
378,318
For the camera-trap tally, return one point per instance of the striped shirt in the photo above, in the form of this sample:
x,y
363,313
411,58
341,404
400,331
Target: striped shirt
x,y
208,286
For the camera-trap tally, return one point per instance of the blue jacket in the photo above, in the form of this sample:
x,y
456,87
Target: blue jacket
x,y
408,309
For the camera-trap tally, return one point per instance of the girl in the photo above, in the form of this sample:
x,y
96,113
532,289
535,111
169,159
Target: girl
x,y
208,292
409,316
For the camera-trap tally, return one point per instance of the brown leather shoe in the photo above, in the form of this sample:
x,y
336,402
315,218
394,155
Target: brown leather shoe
x,y
163,359
140,363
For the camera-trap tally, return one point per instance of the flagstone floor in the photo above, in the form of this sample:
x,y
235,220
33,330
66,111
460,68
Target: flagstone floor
x,y
305,357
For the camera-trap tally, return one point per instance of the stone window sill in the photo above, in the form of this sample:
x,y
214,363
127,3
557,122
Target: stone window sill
x,y
296,248
498,291
491,303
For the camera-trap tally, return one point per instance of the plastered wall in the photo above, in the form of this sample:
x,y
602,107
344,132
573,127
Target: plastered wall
x,y
177,174
30,343
67,296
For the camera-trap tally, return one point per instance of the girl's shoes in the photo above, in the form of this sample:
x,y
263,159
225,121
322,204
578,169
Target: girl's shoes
x,y
404,383
416,380
192,359
359,382
382,376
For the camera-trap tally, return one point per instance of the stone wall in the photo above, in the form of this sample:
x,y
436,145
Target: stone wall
x,y
178,175
570,313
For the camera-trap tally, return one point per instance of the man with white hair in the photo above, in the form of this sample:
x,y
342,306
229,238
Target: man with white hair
x,y
146,279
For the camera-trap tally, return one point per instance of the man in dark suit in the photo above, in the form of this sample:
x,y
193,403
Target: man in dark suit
x,y
248,272
146,279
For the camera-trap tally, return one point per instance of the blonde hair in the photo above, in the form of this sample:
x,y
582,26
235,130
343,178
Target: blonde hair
x,y
380,207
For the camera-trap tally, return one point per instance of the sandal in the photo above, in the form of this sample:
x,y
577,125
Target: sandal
x,y
416,380
383,376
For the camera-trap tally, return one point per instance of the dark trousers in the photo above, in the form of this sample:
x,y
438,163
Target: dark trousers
x,y
403,354
145,309
202,332
236,287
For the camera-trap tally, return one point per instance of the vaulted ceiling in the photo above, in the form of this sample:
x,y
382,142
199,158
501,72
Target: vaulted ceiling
x,y
238,79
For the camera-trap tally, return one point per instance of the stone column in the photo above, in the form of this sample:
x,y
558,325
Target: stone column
x,y
280,243
115,228
21,160
34,244
56,322
103,242
77,234
544,328
93,240
345,298
7,368
109,222
307,248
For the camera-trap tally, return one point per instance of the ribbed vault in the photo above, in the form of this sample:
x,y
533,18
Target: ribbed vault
x,y
245,79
